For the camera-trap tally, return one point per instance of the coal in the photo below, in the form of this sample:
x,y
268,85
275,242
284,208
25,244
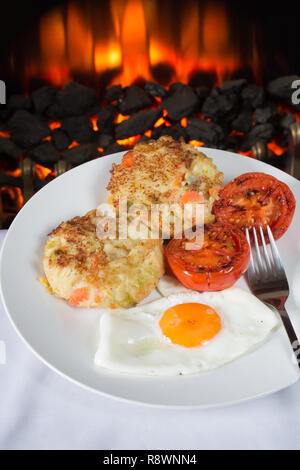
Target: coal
x,y
176,131
263,132
281,88
104,140
105,119
44,153
79,129
80,154
9,149
8,180
202,92
27,130
143,139
287,120
268,113
202,78
219,107
138,123
73,100
153,89
253,95
181,103
133,99
39,184
233,142
243,121
176,86
112,93
43,98
204,131
115,148
18,102
215,92
54,111
233,86
283,139
14,103
60,139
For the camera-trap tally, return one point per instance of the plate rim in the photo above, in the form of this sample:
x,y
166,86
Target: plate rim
x,y
90,388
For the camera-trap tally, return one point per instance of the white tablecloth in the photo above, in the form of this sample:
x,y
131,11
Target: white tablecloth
x,y
41,410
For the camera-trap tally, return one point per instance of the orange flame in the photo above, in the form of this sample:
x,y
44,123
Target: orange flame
x,y
5,134
15,194
54,66
15,173
131,38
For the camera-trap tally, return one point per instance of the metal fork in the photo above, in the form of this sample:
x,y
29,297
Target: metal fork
x,y
268,281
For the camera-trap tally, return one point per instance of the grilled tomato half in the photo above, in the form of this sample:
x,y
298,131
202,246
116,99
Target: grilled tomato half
x,y
217,264
256,199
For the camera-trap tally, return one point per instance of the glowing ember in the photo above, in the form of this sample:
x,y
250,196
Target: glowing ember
x,y
183,122
42,172
4,134
73,144
129,141
162,121
54,125
159,122
275,148
196,143
94,122
15,173
249,153
120,118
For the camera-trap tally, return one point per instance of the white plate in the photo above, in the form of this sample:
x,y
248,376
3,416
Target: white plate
x,y
66,338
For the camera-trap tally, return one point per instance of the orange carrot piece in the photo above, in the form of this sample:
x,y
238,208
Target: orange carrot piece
x,y
191,197
78,295
127,160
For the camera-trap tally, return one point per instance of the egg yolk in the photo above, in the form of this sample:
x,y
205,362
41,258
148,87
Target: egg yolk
x,y
190,325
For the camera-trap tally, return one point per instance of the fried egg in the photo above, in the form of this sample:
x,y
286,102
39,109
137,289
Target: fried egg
x,y
184,333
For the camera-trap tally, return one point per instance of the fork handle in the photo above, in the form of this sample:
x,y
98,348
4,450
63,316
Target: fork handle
x,y
291,333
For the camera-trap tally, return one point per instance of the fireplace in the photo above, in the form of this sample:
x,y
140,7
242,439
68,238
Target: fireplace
x,y
85,79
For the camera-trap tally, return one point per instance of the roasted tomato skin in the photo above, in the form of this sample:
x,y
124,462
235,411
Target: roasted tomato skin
x,y
256,199
216,276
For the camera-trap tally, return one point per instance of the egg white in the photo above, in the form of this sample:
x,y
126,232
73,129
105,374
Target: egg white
x,y
132,342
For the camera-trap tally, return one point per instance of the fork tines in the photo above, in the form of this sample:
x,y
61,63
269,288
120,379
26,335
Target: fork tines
x,y
268,265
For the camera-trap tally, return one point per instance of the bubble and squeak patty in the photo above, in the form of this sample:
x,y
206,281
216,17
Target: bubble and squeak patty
x,y
165,171
90,272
